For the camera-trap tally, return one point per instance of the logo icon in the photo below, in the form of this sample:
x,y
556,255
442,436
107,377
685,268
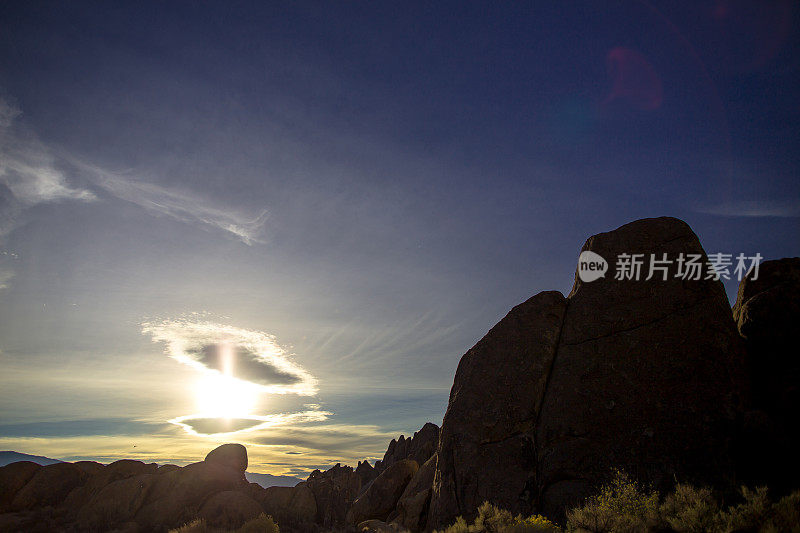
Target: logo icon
x,y
591,266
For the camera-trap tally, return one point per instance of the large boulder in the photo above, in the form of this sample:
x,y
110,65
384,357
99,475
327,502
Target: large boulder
x,y
114,504
48,486
766,312
177,496
101,476
229,509
130,495
381,497
649,374
90,467
644,375
233,456
294,504
486,446
13,477
412,507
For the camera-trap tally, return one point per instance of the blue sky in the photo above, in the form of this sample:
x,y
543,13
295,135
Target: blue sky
x,y
343,198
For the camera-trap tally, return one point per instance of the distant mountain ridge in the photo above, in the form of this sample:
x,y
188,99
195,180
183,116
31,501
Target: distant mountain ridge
x,y
265,480
8,457
268,480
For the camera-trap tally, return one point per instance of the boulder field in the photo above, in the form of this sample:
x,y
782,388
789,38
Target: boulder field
x,y
658,377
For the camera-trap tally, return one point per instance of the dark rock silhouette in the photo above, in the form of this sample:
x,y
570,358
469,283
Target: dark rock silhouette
x,y
366,472
48,486
334,492
293,505
13,477
336,489
232,456
411,511
486,449
229,509
643,375
175,496
381,497
419,447
134,496
767,311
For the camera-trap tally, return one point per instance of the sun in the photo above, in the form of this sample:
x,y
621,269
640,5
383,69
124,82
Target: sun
x,y
220,395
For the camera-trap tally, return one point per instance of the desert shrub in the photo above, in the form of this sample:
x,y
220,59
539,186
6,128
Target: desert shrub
x,y
622,505
262,524
195,526
753,512
786,514
691,510
757,513
534,523
492,519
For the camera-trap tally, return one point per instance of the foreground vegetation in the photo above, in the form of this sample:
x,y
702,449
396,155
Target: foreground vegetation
x,y
625,506
622,506
262,524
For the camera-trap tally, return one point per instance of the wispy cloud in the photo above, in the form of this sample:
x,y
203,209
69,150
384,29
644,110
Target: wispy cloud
x,y
180,205
31,172
29,175
755,208
27,167
358,440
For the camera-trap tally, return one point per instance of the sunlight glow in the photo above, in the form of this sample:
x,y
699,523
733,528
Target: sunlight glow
x,y
225,396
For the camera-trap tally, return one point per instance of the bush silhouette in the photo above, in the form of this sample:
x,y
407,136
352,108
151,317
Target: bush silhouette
x,y
624,505
262,524
492,519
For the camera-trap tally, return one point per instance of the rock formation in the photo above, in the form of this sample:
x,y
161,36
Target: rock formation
x,y
381,497
289,505
377,488
419,447
232,456
486,449
643,375
135,496
411,511
766,311
334,491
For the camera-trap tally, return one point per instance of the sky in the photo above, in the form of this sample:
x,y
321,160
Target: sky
x,y
283,223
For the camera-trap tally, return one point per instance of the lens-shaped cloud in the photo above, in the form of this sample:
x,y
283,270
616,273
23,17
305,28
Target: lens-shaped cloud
x,y
244,363
251,356
200,425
